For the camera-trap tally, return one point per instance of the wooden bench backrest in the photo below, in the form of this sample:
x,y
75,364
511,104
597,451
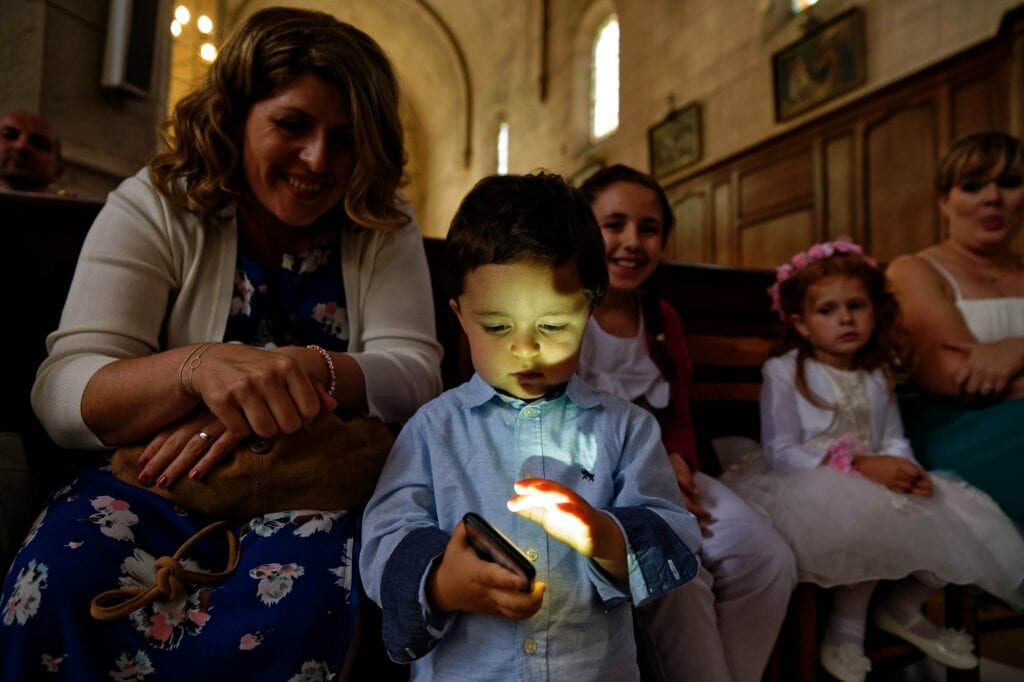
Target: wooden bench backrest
x,y
730,331
43,235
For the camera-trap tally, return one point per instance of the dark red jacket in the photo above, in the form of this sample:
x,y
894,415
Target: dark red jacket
x,y
676,425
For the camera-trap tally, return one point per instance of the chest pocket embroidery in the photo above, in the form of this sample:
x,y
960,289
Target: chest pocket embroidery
x,y
586,475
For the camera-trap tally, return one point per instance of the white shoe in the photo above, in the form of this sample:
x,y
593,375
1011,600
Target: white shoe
x,y
952,648
845,662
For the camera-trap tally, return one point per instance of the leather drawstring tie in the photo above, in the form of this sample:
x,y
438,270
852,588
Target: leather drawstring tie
x,y
171,579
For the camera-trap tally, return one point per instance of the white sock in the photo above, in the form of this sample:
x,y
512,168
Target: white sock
x,y
849,614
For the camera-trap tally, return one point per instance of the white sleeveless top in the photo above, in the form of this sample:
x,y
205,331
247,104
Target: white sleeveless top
x,y
989,319
621,366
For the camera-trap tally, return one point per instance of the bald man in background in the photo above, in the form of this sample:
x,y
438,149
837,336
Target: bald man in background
x,y
29,153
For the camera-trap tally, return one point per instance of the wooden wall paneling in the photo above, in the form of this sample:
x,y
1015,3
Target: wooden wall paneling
x,y
838,202
974,105
859,184
900,163
777,211
866,169
778,183
768,242
693,233
723,212
1014,96
818,188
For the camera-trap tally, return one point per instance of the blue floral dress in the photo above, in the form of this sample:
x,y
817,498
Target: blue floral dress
x,y
288,612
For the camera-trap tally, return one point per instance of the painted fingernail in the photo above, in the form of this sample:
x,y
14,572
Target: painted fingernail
x,y
194,474
142,461
162,482
144,479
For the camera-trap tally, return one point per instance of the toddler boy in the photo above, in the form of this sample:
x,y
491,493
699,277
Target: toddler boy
x,y
596,507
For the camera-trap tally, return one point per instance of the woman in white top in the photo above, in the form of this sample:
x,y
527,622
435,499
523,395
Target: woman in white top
x,y
963,303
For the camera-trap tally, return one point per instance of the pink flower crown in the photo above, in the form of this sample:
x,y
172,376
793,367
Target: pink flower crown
x,y
812,255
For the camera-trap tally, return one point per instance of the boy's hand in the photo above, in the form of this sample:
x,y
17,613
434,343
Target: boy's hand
x,y
895,473
465,582
568,517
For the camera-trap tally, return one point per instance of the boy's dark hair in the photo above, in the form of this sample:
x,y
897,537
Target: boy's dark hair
x,y
538,218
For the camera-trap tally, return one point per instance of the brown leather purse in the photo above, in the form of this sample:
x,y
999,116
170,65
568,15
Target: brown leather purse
x,y
332,463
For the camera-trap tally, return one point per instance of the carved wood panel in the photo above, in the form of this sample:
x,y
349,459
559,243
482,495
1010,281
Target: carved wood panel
x,y
900,163
691,242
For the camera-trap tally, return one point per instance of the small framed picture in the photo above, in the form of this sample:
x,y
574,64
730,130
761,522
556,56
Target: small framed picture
x,y
825,63
675,142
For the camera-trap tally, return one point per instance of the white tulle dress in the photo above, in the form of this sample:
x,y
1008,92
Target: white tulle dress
x,y
845,528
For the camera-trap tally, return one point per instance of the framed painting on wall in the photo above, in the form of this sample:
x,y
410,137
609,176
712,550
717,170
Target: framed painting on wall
x,y
675,142
825,63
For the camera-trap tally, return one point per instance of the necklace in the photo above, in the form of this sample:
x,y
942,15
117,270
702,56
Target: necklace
x,y
990,270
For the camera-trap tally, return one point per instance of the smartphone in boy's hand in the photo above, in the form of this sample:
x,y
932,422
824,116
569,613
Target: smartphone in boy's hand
x,y
490,544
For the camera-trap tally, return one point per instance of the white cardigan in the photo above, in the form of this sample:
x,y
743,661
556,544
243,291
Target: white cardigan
x,y
151,277
788,420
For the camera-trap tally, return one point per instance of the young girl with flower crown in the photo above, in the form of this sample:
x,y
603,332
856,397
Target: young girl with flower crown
x,y
843,486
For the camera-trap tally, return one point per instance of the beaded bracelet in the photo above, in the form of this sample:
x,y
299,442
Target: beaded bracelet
x,y
330,367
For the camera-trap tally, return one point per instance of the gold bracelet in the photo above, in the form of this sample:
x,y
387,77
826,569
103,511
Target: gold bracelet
x,y
332,383
193,365
184,364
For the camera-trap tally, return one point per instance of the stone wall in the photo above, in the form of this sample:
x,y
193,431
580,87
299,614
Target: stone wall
x,y
467,64
51,58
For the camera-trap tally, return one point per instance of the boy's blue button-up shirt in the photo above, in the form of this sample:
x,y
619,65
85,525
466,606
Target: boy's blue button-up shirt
x,y
462,452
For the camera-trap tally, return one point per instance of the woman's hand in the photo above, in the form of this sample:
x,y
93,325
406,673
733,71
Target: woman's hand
x,y
250,390
191,447
462,581
194,446
988,368
569,518
895,473
690,491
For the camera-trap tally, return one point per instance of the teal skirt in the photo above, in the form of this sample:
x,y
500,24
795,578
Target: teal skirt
x,y
983,446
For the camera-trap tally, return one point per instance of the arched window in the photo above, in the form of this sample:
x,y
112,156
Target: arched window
x,y
604,80
800,5
502,166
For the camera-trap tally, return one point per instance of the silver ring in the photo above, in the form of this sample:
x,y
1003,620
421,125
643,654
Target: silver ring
x,y
204,435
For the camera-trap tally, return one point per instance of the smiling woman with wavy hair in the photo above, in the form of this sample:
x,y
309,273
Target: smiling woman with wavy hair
x,y
261,274
267,53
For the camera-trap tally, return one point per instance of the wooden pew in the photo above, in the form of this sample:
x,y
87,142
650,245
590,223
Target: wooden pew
x,y
730,331
43,235
725,311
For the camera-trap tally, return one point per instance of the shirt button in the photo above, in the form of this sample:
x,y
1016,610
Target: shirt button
x,y
530,647
530,411
531,554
